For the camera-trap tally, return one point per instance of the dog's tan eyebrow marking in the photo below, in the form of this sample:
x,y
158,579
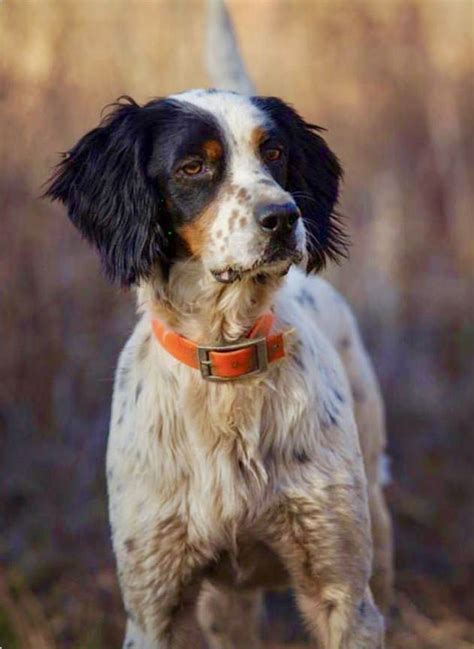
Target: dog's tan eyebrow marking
x,y
258,135
213,149
243,221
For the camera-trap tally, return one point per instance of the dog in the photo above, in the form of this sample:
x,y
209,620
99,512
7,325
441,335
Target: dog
x,y
247,426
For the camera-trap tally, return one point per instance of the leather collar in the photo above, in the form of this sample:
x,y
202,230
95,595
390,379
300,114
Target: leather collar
x,y
226,362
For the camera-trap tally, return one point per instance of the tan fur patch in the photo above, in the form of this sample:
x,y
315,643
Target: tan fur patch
x,y
230,190
213,149
242,194
257,136
195,235
233,218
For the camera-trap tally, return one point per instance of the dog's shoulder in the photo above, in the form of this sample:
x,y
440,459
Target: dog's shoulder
x,y
327,314
320,304
313,304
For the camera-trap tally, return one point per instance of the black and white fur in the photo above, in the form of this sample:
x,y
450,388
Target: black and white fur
x,y
206,202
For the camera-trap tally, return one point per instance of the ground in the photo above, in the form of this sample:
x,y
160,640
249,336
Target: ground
x,y
93,620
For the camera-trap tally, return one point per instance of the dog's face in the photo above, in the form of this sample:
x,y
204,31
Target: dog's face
x,y
242,184
223,174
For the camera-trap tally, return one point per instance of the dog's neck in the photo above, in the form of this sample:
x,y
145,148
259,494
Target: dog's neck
x,y
192,303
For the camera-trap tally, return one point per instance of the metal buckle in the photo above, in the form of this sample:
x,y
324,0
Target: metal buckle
x,y
261,359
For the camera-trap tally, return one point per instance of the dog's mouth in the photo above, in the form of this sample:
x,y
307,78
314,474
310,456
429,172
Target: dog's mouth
x,y
277,264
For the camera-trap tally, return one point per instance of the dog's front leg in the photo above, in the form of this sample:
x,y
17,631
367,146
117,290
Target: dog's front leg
x,y
160,580
159,572
323,538
159,558
176,629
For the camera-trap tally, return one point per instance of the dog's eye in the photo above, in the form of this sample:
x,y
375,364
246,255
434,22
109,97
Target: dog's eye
x,y
193,167
272,155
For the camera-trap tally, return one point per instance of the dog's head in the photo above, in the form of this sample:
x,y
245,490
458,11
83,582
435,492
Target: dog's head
x,y
242,184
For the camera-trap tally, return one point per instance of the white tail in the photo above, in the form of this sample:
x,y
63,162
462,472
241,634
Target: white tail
x,y
224,62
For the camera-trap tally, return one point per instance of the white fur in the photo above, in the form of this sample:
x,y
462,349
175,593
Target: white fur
x,y
195,467
230,242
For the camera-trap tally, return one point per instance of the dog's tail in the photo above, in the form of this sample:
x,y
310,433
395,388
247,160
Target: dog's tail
x,y
224,62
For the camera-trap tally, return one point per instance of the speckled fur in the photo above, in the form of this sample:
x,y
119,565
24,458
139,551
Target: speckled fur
x,y
217,491
232,237
208,483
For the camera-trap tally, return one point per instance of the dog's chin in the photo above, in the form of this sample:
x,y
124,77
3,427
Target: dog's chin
x,y
267,267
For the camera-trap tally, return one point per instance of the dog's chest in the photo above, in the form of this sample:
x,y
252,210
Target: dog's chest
x,y
209,449
239,442
219,455
226,468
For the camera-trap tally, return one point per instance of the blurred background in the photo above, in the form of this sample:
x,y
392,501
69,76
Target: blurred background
x,y
392,81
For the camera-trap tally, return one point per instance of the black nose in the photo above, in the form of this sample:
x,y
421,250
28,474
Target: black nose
x,y
278,219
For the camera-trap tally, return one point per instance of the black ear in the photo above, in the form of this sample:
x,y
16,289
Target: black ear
x,y
313,179
103,182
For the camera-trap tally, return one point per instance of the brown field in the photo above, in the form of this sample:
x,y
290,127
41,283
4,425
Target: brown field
x,y
392,81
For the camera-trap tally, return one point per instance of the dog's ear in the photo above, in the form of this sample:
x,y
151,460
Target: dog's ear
x,y
313,178
104,184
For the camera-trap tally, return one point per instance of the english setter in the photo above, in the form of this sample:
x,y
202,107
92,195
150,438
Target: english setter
x,y
247,425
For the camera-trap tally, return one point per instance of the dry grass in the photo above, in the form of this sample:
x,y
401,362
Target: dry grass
x,y
410,628
23,617
392,81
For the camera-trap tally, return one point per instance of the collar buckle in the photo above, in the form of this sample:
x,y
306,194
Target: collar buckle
x,y
260,357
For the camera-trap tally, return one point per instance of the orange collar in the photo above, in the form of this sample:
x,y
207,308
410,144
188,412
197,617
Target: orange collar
x,y
226,362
